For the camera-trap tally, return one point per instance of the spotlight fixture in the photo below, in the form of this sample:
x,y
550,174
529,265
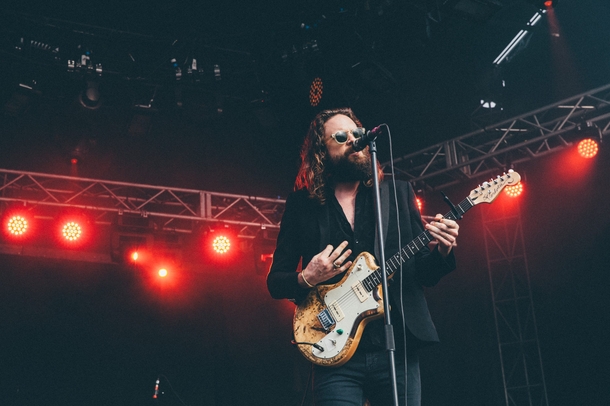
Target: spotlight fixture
x,y
195,71
514,190
488,104
17,225
590,137
588,148
177,69
221,244
315,92
217,75
90,98
71,231
544,4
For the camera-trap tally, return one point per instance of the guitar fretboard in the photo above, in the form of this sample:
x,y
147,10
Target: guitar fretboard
x,y
408,251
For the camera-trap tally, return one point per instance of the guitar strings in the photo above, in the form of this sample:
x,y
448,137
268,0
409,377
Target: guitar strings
x,y
350,297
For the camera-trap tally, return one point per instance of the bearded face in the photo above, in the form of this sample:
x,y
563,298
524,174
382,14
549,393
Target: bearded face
x,y
348,168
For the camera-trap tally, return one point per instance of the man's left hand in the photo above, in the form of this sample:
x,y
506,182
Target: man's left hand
x,y
445,232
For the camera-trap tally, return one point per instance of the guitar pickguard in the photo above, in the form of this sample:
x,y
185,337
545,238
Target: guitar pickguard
x,y
348,302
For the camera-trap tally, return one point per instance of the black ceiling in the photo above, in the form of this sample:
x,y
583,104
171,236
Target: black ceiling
x,y
421,66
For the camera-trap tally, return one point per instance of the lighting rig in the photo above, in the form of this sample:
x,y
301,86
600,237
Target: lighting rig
x,y
132,224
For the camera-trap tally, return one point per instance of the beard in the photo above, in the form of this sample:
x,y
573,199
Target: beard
x,y
349,169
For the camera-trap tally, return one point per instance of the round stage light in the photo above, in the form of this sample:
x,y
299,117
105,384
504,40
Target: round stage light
x,y
162,272
514,190
588,148
17,225
221,244
71,231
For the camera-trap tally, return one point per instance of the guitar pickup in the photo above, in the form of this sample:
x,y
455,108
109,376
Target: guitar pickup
x,y
336,311
360,291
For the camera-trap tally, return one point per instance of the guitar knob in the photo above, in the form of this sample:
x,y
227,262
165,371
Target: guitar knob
x,y
340,331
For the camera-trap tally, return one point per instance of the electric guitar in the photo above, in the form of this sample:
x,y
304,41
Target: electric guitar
x,y
328,324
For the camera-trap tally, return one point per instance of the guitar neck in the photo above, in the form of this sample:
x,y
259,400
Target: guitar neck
x,y
408,251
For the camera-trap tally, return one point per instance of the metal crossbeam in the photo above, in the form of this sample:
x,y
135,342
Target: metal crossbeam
x,y
174,209
509,142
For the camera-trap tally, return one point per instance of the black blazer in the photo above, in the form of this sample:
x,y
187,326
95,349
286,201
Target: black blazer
x,y
304,232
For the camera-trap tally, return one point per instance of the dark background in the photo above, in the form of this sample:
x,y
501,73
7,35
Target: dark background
x,y
90,334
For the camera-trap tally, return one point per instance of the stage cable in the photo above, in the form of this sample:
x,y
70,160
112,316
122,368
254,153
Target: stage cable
x,y
400,280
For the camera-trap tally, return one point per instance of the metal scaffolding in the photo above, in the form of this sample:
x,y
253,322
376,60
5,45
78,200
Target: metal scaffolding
x,y
507,143
489,149
513,305
172,209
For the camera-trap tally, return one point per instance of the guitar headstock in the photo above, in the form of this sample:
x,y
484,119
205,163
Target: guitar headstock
x,y
488,191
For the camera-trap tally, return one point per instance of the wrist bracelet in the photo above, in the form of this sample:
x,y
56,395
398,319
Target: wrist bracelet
x,y
305,280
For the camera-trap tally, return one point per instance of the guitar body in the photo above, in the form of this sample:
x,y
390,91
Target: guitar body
x,y
350,306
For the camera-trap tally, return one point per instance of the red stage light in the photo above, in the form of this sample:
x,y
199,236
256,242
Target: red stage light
x,y
420,203
17,225
588,148
162,272
548,3
134,255
221,244
514,190
71,231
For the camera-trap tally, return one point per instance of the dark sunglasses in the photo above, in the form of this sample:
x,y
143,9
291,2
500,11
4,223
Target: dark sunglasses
x,y
341,136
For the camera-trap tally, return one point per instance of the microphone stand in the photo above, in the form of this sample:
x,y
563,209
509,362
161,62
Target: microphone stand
x,y
389,330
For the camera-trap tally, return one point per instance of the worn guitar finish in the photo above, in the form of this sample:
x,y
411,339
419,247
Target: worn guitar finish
x,y
328,324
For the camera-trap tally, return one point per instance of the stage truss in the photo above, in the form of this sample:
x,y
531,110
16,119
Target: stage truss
x,y
513,141
171,209
183,211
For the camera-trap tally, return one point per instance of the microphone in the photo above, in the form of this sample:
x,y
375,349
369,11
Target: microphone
x,y
156,395
363,141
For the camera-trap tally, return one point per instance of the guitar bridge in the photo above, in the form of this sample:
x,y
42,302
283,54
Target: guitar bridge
x,y
326,319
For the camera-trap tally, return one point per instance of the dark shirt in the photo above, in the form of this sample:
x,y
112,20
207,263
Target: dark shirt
x,y
362,237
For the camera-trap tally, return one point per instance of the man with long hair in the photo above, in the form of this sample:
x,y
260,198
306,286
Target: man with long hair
x,y
328,221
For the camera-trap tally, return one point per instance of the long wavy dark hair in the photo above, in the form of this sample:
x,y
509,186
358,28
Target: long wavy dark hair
x,y
311,174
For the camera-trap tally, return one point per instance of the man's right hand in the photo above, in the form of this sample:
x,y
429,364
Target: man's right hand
x,y
326,264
